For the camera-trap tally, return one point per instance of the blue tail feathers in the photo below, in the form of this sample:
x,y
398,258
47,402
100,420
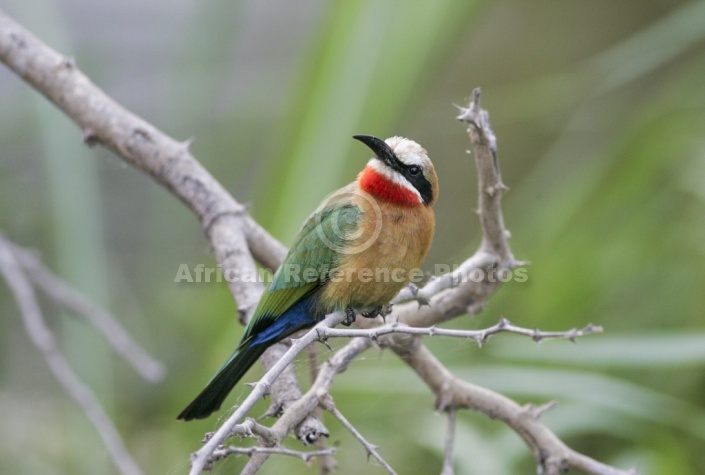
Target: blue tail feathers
x,y
298,317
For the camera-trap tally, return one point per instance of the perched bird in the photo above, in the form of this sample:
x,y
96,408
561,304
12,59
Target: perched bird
x,y
355,252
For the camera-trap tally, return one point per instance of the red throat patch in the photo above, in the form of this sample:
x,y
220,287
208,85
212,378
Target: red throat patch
x,y
383,188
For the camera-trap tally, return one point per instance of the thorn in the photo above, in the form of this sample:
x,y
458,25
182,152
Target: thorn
x,y
538,411
271,412
464,113
186,144
324,342
422,301
503,323
514,264
537,337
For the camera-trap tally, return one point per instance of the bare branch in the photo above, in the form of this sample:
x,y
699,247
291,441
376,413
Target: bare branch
x,y
310,401
236,238
106,323
484,144
329,406
200,458
450,444
552,455
285,390
44,340
231,229
222,452
480,336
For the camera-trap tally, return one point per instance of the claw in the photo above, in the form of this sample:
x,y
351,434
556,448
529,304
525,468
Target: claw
x,y
377,311
349,316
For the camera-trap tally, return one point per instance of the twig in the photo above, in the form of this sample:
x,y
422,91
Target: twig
x,y
371,449
106,323
311,400
494,234
284,391
250,428
200,458
44,340
552,455
480,336
222,452
450,444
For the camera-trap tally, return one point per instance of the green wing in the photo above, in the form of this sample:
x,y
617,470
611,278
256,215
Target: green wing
x,y
308,264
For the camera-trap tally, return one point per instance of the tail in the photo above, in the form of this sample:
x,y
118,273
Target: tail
x,y
263,332
222,383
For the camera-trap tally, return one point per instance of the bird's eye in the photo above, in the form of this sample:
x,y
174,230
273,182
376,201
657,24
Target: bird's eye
x,y
414,170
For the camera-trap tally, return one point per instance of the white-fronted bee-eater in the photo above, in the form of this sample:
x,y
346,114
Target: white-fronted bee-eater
x,y
354,253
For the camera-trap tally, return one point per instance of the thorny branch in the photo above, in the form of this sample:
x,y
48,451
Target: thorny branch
x,y
480,336
328,405
238,242
221,453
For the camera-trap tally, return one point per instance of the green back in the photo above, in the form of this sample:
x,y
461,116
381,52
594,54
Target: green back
x,y
308,264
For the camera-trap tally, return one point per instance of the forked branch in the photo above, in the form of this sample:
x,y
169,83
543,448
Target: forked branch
x,y
238,242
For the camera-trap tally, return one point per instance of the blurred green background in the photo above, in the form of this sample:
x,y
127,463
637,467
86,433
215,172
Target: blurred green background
x,y
599,112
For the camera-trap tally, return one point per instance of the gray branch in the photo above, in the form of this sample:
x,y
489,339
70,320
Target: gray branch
x,y
109,326
43,339
236,238
238,241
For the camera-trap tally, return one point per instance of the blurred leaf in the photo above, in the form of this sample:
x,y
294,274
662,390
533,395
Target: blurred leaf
x,y
362,69
644,352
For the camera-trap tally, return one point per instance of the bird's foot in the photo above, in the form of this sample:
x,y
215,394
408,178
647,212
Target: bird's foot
x,y
379,311
349,316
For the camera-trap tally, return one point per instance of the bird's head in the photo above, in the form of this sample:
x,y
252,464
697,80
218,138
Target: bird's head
x,y
400,172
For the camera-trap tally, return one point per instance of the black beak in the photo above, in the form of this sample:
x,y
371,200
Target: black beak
x,y
381,150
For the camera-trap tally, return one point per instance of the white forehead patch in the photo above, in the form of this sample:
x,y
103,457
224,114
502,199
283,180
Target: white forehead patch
x,y
409,152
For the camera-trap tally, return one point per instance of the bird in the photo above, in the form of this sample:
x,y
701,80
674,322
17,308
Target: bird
x,y
354,253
